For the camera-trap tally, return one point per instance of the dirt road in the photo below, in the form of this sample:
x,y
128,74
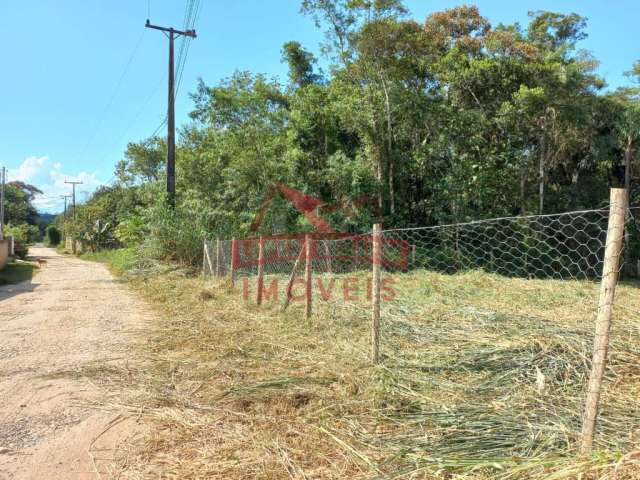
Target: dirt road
x,y
72,318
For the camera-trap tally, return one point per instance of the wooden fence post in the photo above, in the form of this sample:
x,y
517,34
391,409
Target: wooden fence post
x,y
260,280
234,260
327,252
356,260
376,260
610,270
204,258
218,270
207,259
308,267
292,277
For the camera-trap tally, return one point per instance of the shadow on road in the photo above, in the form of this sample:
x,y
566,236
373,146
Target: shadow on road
x,y
17,278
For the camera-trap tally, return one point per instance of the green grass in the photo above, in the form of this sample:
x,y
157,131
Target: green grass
x,y
16,272
118,260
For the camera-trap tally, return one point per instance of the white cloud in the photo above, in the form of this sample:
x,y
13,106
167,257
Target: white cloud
x,y
50,177
28,169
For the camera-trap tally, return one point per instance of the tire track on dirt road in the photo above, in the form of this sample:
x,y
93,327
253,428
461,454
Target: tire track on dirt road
x,y
71,315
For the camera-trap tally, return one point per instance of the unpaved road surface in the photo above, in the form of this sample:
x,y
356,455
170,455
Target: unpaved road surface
x,y
73,317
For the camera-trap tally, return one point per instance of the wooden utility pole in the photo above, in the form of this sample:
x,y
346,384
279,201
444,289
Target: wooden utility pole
x,y
376,260
64,212
4,172
64,215
610,269
171,33
73,200
73,196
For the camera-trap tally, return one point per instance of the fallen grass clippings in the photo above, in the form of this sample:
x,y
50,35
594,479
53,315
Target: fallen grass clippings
x,y
482,377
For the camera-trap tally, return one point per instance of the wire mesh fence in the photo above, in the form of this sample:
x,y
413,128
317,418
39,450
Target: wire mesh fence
x,y
566,246
506,307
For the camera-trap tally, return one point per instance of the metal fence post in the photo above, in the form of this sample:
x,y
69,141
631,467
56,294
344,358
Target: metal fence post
x,y
376,260
610,271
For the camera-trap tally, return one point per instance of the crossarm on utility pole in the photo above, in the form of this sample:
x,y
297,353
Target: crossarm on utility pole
x,y
186,33
171,129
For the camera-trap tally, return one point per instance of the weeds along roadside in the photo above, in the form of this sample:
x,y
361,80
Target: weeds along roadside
x,y
234,391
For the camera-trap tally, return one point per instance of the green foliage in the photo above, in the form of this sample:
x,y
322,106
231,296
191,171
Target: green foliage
x,y
53,235
435,122
18,207
16,272
23,236
174,234
131,231
143,161
97,236
119,260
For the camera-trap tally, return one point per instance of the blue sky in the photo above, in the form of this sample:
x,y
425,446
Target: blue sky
x,y
81,78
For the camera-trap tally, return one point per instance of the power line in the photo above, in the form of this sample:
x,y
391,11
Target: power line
x,y
138,115
113,95
162,124
191,17
73,183
4,170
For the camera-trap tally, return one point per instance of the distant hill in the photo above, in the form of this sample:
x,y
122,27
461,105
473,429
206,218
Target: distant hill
x,y
46,218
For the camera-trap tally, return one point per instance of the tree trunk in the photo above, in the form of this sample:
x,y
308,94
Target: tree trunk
x,y
387,106
523,191
541,167
628,152
378,166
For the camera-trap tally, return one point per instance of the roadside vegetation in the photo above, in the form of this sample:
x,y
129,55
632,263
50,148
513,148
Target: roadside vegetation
x,y
436,122
481,376
16,272
409,123
118,260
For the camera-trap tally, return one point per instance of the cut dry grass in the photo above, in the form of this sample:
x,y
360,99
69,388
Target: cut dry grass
x,y
482,377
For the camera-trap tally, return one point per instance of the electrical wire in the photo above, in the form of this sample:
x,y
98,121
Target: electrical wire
x,y
192,14
115,92
137,116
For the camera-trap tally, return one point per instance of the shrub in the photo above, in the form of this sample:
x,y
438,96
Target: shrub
x,y
174,234
131,231
53,235
23,235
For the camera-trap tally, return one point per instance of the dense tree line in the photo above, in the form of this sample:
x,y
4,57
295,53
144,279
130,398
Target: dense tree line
x,y
21,219
440,121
